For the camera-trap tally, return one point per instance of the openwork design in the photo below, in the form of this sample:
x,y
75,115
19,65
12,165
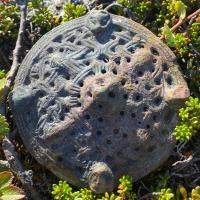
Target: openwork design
x,y
96,98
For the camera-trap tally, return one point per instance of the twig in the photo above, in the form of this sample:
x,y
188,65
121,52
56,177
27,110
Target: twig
x,y
181,21
179,165
184,175
150,195
16,54
127,11
16,167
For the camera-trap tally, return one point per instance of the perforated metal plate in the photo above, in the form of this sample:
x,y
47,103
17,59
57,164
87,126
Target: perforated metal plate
x,y
97,98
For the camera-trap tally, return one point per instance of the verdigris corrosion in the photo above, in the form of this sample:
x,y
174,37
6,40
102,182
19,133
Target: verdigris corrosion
x,y
97,98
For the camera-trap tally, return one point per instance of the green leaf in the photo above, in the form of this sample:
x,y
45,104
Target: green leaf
x,y
11,193
169,36
6,178
2,74
180,8
4,126
2,86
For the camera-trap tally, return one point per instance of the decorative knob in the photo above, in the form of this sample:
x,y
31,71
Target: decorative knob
x,y
101,178
98,20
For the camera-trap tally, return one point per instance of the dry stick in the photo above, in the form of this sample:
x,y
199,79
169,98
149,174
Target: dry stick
x,y
16,54
9,149
15,165
181,21
150,195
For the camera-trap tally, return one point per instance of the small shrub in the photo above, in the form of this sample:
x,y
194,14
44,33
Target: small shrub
x,y
62,191
9,21
167,194
72,11
4,127
189,120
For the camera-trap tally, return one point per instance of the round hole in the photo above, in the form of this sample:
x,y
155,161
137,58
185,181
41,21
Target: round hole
x,y
111,94
119,153
81,84
154,117
169,80
59,158
154,60
103,71
151,148
52,84
148,126
100,106
41,94
99,132
100,119
128,59
79,43
113,37
136,82
52,103
66,110
121,113
140,73
157,81
87,116
114,71
87,63
50,50
68,77
139,122
117,60
89,94
123,82
133,115
106,60
46,62
157,101
115,131
78,96
165,67
138,97
152,69
62,117
119,29
137,149
154,51
50,119
125,96
145,108
108,142
47,74
122,42
61,49
147,87
124,135
74,150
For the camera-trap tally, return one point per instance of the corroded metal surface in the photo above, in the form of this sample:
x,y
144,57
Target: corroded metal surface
x,y
97,98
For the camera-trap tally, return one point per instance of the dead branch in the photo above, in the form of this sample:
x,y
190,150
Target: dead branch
x,y
16,166
150,195
179,165
16,54
181,21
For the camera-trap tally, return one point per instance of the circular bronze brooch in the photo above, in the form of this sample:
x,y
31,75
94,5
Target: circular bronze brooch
x,y
97,98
